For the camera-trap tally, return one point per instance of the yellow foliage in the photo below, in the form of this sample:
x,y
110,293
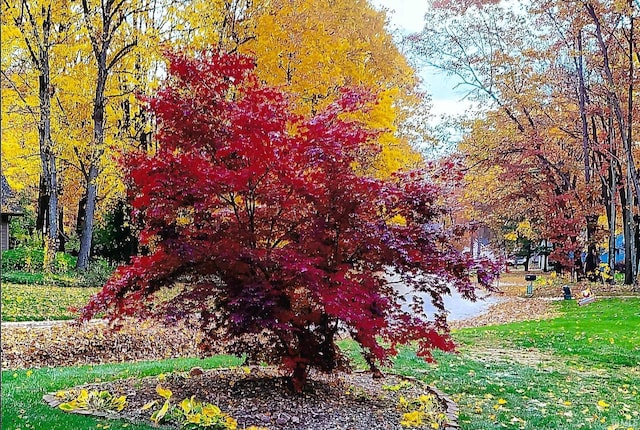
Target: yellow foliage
x,y
313,48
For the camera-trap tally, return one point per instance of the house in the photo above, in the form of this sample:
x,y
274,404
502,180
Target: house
x,y
8,208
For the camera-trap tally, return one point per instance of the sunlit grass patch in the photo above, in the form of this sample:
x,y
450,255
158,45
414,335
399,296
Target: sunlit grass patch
x,y
38,302
22,391
578,371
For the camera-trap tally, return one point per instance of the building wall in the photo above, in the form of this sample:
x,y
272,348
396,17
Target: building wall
x,y
4,233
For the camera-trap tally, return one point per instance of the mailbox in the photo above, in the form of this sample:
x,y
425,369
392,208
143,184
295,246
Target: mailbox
x,y
529,278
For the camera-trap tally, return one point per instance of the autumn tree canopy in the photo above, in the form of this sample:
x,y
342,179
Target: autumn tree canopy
x,y
101,54
552,145
255,214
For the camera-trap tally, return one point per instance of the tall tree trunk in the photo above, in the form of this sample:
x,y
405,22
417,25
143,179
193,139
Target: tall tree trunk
x,y
611,215
98,141
47,157
112,17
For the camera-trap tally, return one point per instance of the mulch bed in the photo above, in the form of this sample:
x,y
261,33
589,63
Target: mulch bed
x,y
260,396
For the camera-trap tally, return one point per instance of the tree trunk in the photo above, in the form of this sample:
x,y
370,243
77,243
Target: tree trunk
x,y
43,207
62,239
299,377
627,221
611,214
84,254
583,108
47,158
101,39
99,102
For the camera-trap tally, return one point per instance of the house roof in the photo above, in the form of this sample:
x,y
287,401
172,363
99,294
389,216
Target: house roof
x,y
8,203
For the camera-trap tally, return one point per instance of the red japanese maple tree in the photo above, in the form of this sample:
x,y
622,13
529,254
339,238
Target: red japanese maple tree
x,y
275,244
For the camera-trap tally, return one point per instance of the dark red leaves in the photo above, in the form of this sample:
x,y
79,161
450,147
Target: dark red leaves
x,y
260,215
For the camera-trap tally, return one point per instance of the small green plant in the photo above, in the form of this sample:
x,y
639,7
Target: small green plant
x,y
358,393
75,400
190,413
421,410
96,274
397,387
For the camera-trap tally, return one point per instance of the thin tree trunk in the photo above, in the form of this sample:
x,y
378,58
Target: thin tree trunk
x,y
86,236
47,158
611,213
627,220
583,108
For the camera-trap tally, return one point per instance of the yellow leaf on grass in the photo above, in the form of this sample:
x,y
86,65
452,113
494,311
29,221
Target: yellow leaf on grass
x,y
603,404
159,415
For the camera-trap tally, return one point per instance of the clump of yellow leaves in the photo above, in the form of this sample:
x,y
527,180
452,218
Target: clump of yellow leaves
x,y
190,413
421,410
84,400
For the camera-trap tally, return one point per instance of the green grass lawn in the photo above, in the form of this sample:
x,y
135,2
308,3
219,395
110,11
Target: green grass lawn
x,y
578,371
38,302
22,391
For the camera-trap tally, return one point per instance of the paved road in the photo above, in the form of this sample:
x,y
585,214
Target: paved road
x,y
458,307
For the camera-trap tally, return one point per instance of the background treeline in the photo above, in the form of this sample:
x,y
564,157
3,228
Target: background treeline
x,y
74,74
552,154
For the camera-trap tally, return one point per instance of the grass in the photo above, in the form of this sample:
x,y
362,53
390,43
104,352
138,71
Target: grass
x,y
578,371
22,391
40,303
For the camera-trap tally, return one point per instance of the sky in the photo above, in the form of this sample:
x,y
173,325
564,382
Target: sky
x,y
407,16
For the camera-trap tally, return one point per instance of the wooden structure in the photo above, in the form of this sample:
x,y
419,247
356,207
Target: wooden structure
x,y
8,208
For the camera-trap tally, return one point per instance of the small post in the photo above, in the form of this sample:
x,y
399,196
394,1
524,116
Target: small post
x,y
530,279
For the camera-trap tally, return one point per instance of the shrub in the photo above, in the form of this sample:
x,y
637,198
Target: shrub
x,y
286,244
96,274
31,260
84,400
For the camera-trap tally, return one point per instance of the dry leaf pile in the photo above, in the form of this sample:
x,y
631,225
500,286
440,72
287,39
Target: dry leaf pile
x,y
510,310
64,344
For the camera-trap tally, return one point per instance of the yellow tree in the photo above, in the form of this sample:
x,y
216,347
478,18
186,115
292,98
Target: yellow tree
x,y
316,47
34,28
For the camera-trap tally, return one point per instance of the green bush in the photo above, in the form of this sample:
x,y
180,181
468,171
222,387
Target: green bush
x,y
25,265
96,274
31,260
